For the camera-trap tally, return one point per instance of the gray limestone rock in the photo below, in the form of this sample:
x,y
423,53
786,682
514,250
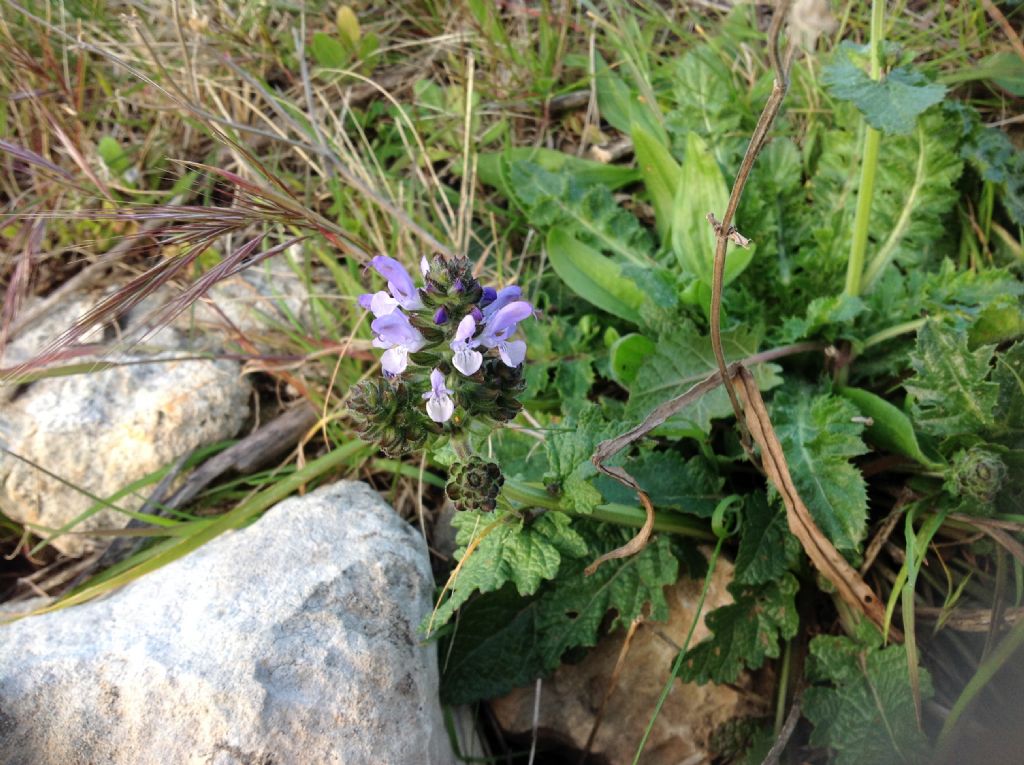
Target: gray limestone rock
x,y
291,641
100,431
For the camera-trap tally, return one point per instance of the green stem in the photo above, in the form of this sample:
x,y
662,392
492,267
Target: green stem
x,y
869,163
894,331
620,515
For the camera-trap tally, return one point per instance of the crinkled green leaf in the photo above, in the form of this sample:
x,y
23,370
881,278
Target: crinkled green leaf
x,y
690,485
745,633
1009,376
767,548
510,550
951,388
573,614
867,713
587,211
684,358
627,355
569,450
494,649
891,104
819,437
831,311
504,641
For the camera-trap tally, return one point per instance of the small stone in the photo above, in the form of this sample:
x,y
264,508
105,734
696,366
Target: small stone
x,y
290,641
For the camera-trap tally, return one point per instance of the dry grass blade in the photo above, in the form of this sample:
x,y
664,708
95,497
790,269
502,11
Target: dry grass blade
x,y
823,554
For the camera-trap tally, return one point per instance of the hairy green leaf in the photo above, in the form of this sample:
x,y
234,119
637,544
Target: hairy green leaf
x,y
891,104
507,550
661,175
504,641
745,633
691,486
867,713
951,389
589,212
819,437
681,360
767,548
569,451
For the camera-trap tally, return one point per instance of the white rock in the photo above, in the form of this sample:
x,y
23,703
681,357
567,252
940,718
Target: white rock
x,y
291,641
100,431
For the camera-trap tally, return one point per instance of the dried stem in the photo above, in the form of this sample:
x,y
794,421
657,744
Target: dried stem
x,y
723,229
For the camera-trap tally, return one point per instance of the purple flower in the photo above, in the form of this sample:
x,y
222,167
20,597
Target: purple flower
x,y
424,266
503,323
440,406
502,298
441,316
489,296
400,285
401,338
466,360
379,303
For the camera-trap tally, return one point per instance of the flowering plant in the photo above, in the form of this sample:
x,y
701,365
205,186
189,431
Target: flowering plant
x,y
449,361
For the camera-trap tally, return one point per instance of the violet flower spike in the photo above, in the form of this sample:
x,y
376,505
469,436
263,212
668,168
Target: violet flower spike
x,y
502,298
466,360
502,324
400,284
399,337
440,406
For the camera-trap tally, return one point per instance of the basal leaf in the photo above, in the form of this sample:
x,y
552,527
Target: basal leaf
x,y
573,613
867,713
691,485
627,355
589,212
701,190
745,633
992,154
1009,376
684,358
329,51
504,640
661,175
595,278
767,548
891,104
819,437
951,389
507,550
621,105
569,450
585,171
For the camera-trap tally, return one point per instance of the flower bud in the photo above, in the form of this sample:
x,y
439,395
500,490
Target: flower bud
x,y
977,474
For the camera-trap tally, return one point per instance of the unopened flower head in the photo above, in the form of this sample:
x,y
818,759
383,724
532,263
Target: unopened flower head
x,y
443,341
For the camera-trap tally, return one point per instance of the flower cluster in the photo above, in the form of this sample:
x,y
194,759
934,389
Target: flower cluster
x,y
449,356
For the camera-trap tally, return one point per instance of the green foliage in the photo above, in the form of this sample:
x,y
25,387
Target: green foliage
x,y
503,641
866,714
819,436
691,485
569,452
892,104
745,633
952,394
890,428
508,549
767,548
684,358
